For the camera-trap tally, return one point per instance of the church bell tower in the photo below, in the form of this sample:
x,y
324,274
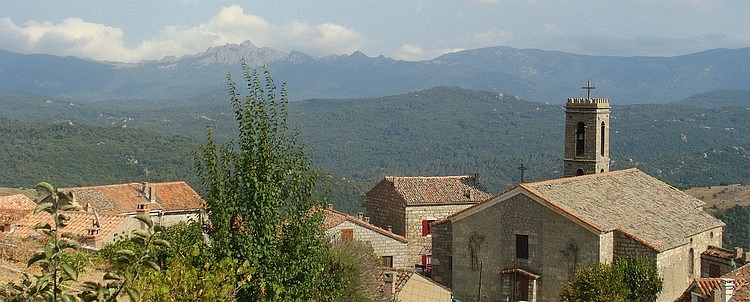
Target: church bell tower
x,y
586,135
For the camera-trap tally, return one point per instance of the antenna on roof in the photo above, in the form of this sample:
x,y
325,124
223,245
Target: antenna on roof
x,y
146,172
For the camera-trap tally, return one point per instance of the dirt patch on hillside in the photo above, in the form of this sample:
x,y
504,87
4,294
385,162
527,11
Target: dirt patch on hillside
x,y
722,197
30,193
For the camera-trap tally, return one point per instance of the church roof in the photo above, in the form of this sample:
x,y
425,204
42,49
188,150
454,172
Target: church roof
x,y
630,201
438,189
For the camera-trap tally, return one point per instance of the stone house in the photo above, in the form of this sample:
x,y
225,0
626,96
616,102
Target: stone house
x,y
13,208
717,261
733,286
408,206
165,202
391,248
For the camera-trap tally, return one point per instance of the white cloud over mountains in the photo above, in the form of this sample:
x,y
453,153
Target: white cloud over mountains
x,y
77,37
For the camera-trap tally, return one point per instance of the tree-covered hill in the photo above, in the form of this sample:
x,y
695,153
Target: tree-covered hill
x,y
70,154
440,131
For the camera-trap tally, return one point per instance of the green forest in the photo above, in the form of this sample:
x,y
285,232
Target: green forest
x,y
440,131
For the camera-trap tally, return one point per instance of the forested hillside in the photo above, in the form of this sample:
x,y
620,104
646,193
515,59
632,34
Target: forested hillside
x,y
441,131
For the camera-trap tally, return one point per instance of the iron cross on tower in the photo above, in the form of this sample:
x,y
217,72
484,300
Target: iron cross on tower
x,y
588,89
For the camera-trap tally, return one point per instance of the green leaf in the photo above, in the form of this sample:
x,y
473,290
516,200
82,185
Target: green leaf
x,y
44,206
133,294
47,187
36,257
145,219
70,235
125,253
70,207
111,276
42,225
152,265
141,233
161,242
69,270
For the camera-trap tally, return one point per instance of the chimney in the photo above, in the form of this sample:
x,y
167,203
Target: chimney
x,y
476,178
151,194
88,207
144,187
142,208
390,229
359,215
727,289
367,219
738,252
330,206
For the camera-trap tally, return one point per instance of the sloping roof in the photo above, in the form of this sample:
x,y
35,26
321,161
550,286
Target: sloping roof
x,y
334,218
642,206
14,207
438,189
80,223
124,198
742,292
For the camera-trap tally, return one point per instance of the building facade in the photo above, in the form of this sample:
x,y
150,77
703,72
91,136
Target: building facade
x,y
409,205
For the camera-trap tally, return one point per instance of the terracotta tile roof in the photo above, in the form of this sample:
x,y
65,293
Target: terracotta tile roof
x,y
124,198
741,292
334,218
439,189
14,207
81,223
644,207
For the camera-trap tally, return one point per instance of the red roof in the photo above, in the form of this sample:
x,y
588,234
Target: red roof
x,y
124,198
14,207
79,223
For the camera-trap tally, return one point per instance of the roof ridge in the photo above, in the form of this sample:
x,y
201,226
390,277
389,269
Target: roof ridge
x,y
373,227
563,179
126,184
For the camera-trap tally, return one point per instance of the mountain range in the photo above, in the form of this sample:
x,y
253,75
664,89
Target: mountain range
x,y
535,75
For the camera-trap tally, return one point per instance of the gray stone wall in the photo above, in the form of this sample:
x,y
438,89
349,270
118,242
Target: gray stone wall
x,y
386,208
442,255
625,246
680,265
592,115
487,240
418,244
381,244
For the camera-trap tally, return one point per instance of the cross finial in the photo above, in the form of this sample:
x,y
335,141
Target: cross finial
x,y
522,169
588,89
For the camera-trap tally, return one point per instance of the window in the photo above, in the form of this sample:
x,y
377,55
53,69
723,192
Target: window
x,y
522,246
387,261
426,227
580,138
714,271
427,262
691,265
347,235
603,137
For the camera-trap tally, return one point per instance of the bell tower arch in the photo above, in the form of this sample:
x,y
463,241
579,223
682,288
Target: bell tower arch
x,y
586,135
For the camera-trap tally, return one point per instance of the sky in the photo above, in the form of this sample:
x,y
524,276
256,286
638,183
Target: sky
x,y
136,30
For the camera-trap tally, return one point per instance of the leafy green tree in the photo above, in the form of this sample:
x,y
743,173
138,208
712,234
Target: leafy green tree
x,y
597,282
258,191
641,278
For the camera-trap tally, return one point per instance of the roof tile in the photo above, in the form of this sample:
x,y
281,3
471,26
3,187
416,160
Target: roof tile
x,y
439,189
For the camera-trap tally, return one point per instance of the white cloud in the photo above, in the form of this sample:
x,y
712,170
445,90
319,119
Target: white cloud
x,y
491,37
74,36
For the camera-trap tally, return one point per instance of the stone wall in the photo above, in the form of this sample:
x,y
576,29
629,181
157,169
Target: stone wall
x,y
680,265
625,246
381,244
386,207
486,240
418,244
442,253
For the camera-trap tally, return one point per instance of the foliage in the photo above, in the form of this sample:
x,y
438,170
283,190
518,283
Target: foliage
x,y
353,271
130,266
597,282
641,278
190,272
258,191
629,279
56,269
737,231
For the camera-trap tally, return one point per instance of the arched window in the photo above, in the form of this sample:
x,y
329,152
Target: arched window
x,y
580,138
691,265
603,137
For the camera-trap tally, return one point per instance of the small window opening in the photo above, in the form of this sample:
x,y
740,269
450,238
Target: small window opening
x,y
580,138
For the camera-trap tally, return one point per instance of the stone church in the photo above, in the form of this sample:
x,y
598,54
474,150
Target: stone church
x,y
524,243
